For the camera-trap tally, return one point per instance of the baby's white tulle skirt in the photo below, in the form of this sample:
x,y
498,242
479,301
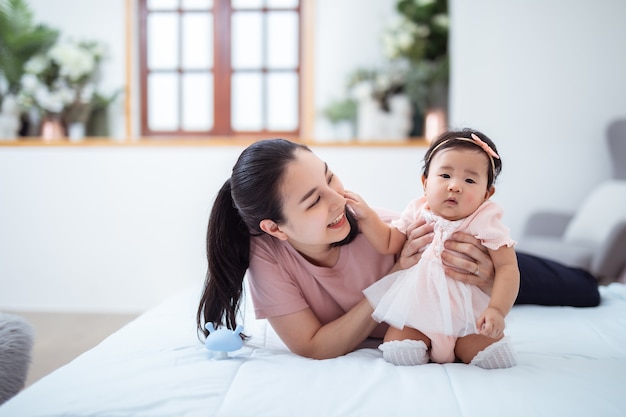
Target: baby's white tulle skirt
x,y
423,298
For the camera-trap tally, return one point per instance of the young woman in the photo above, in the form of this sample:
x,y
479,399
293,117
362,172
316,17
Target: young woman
x,y
282,217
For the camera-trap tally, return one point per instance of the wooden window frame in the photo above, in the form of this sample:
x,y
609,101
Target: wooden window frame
x,y
222,72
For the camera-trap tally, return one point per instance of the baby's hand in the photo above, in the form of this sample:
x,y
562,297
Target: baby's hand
x,y
491,323
357,205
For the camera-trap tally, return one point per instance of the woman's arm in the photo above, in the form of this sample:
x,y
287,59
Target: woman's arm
x,y
304,335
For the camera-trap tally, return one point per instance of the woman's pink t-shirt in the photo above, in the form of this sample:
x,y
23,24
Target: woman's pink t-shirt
x,y
283,282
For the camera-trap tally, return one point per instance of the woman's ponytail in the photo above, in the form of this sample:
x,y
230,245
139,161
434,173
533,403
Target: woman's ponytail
x,y
250,195
228,255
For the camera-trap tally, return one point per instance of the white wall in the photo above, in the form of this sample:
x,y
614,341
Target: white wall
x,y
122,228
543,79
347,37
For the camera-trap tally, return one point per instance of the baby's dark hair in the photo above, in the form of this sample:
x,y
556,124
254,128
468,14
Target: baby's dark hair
x,y
462,139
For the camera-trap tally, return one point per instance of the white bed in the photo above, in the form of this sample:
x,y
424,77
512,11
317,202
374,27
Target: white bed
x,y
572,362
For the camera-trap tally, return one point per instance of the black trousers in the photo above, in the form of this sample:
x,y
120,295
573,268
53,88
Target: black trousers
x,y
550,283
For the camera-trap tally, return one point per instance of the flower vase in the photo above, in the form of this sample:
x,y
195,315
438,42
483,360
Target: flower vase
x,y
434,123
376,124
368,127
9,118
76,131
52,129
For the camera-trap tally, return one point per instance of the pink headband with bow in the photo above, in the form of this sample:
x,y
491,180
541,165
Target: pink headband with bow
x,y
477,141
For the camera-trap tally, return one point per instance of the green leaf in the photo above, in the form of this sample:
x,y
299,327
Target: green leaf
x,y
20,39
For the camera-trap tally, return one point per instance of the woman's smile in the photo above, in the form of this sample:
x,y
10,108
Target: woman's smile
x,y
338,222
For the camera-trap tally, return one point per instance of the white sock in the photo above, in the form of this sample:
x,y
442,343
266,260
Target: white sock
x,y
496,356
405,352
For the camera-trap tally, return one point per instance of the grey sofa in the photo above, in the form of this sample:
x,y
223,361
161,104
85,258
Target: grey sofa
x,y
594,236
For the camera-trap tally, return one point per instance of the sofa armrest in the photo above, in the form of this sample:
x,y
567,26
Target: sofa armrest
x,y
547,223
610,259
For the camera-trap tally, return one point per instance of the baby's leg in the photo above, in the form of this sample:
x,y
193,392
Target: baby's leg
x,y
485,352
405,346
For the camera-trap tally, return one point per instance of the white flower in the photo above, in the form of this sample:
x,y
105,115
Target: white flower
x,y
98,50
382,82
442,20
52,101
404,41
422,31
390,46
36,65
29,83
74,62
63,77
399,37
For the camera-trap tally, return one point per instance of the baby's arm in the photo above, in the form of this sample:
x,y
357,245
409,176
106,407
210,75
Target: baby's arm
x,y
383,237
505,289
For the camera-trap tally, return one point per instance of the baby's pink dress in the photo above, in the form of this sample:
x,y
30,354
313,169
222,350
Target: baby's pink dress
x,y
423,297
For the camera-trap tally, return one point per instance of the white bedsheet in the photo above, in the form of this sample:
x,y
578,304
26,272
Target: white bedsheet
x,y
572,362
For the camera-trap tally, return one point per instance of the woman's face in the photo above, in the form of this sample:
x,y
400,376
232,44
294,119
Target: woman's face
x,y
457,182
314,205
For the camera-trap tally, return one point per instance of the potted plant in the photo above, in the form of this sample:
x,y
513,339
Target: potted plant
x,y
61,83
420,37
20,40
341,113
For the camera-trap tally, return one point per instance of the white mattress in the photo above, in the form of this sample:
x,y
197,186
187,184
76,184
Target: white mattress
x,y
572,362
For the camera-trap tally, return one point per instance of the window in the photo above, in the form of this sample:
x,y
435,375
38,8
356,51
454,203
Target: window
x,y
220,67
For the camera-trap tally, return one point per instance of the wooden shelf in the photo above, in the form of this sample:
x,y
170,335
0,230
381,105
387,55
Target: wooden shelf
x,y
200,142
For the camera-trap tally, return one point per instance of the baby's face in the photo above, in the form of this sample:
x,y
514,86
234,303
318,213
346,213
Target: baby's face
x,y
457,182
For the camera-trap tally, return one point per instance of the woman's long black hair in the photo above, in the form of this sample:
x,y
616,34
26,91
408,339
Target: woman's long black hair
x,y
250,195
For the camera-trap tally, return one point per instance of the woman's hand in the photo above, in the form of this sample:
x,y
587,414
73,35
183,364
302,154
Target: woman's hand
x,y
468,261
419,234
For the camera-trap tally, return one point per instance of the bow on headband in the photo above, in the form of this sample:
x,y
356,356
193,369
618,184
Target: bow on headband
x,y
484,146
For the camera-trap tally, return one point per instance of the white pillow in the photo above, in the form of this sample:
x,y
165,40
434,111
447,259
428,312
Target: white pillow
x,y
599,214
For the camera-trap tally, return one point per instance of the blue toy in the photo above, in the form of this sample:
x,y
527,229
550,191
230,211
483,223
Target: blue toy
x,y
223,340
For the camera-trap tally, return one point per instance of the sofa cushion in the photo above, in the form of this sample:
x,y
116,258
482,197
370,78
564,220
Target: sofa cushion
x,y
577,255
600,212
